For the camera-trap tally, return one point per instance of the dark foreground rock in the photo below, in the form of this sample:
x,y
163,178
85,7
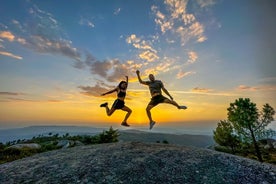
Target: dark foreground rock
x,y
133,162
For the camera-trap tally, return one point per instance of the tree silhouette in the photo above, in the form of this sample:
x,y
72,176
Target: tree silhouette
x,y
224,135
248,122
245,125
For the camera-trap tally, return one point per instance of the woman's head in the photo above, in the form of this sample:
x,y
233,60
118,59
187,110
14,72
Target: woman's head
x,y
123,85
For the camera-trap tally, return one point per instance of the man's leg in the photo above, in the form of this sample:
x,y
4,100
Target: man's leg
x,y
149,107
152,123
174,103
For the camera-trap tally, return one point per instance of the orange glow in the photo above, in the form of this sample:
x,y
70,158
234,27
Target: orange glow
x,y
87,110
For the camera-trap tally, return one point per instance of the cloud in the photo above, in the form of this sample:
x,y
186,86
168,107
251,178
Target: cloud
x,y
111,70
192,57
196,30
45,45
177,7
161,20
256,88
178,21
42,33
96,90
201,90
146,51
182,74
148,56
139,43
86,22
10,93
205,3
246,88
10,55
7,35
117,11
12,96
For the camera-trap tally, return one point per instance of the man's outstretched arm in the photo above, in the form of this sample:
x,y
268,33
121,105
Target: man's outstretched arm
x,y
139,78
167,93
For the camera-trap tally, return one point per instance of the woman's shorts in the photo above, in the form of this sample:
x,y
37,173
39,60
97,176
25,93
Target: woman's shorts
x,y
118,104
157,100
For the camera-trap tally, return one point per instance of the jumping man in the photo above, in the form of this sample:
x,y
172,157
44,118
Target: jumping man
x,y
155,87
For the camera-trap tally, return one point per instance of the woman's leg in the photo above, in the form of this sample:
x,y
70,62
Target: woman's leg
x,y
129,111
109,112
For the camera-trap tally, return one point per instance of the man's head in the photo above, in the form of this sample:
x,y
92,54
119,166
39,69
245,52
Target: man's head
x,y
151,77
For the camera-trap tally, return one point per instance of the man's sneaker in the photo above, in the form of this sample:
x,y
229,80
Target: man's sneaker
x,y
104,104
152,124
125,124
182,107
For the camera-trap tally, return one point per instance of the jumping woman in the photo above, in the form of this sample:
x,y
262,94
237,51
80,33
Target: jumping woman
x,y
119,103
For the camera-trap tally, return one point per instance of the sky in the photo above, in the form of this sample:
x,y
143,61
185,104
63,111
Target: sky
x,y
58,57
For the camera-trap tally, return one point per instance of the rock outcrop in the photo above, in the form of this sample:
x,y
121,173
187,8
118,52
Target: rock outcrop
x,y
27,145
134,162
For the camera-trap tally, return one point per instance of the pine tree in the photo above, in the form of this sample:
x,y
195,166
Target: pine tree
x,y
248,122
245,125
224,135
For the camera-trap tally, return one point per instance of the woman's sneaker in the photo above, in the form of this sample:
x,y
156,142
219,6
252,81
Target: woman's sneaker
x,y
182,107
104,104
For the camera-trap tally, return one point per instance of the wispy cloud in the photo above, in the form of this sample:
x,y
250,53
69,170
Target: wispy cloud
x,y
192,57
146,51
41,33
7,96
7,35
95,90
45,45
177,20
206,3
117,11
111,70
10,55
209,93
86,22
256,88
182,74
10,93
201,90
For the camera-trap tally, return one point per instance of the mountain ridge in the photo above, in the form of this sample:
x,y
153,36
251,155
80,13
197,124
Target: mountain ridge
x,y
125,135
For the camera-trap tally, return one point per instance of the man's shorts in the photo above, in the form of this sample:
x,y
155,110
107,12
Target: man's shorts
x,y
118,104
157,100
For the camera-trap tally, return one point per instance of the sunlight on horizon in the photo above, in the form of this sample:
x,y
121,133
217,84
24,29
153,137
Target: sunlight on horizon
x,y
54,71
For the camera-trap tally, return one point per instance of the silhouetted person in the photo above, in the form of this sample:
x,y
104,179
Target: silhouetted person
x,y
119,103
155,87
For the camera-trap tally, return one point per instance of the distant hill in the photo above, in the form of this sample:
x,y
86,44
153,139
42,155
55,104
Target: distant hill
x,y
139,163
184,139
31,131
125,135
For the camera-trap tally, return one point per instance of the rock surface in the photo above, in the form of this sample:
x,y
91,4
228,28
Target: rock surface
x,y
29,146
134,162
